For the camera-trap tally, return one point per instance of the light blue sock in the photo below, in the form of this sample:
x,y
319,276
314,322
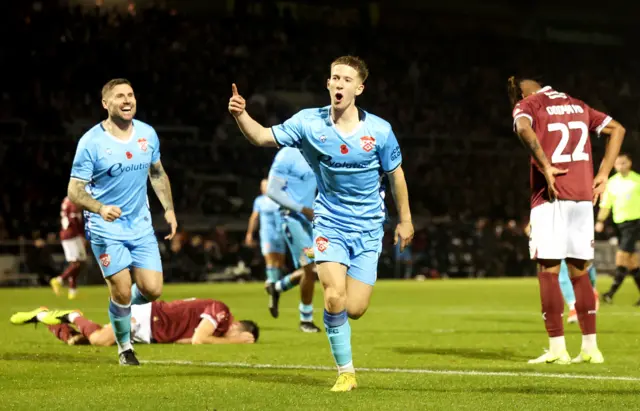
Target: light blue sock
x,y
592,275
565,285
306,312
137,298
339,333
120,316
273,274
285,284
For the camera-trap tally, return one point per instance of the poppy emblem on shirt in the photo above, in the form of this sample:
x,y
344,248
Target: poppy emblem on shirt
x,y
367,143
344,149
142,142
322,243
105,260
129,155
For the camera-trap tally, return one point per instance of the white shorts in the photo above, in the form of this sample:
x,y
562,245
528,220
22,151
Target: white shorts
x,y
74,250
562,229
141,327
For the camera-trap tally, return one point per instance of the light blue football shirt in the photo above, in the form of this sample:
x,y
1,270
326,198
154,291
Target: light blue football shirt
x,y
117,172
270,221
291,166
348,168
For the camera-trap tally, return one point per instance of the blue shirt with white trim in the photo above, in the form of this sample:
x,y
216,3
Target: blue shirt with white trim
x,y
348,167
117,172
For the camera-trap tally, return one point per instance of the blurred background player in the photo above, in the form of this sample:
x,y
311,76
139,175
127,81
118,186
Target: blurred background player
x,y
622,200
72,239
348,150
292,185
554,125
193,321
267,213
114,159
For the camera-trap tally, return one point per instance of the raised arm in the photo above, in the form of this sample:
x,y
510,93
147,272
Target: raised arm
x,y
252,130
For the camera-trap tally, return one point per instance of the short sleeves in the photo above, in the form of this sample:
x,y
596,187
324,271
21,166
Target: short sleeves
x,y
218,314
256,205
155,155
390,155
291,132
522,109
597,120
83,161
607,198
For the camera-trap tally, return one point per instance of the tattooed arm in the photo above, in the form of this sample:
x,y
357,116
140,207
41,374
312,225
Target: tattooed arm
x,y
530,141
162,187
79,196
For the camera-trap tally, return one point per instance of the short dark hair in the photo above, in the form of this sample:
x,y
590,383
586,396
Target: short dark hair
x,y
355,63
513,86
625,154
250,326
112,83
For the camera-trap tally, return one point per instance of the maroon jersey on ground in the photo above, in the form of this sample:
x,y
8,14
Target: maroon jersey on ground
x,y
70,220
562,124
176,320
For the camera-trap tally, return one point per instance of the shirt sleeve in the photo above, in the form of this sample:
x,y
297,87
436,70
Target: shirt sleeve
x,y
607,199
155,155
597,120
390,155
83,161
291,132
256,205
522,109
218,314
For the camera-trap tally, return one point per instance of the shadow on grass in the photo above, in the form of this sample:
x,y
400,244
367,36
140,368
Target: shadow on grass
x,y
72,357
522,390
472,353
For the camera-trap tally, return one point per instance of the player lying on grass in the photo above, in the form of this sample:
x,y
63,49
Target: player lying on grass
x,y
194,321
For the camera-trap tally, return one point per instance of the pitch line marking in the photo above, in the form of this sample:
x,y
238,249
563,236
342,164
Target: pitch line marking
x,y
397,370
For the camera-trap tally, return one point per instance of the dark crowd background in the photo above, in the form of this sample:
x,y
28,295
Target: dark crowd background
x,y
439,76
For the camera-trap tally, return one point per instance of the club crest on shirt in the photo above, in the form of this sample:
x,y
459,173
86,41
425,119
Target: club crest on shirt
x,y
322,243
367,143
105,260
142,142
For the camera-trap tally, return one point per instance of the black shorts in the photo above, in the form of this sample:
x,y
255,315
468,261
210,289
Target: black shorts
x,y
629,235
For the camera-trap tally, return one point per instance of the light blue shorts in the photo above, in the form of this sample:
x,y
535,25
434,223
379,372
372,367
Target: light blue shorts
x,y
298,233
272,242
358,250
114,256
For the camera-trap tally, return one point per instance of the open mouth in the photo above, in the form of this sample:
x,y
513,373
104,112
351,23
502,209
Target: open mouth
x,y
339,97
126,109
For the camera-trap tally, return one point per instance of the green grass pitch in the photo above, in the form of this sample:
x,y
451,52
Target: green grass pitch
x,y
466,343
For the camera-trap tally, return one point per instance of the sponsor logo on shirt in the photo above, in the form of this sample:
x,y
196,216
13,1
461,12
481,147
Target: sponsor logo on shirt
x,y
367,143
142,142
322,243
105,260
395,153
328,160
117,169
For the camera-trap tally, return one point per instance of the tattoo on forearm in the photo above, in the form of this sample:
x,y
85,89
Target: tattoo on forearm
x,y
161,185
79,196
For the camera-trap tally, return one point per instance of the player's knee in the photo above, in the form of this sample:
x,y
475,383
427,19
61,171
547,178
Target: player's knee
x,y
335,299
153,293
356,312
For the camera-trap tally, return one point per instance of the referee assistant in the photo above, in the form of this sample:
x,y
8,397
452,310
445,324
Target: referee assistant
x,y
622,196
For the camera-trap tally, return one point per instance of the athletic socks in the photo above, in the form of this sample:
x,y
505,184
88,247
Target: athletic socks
x,y
585,304
552,303
137,298
86,327
621,273
306,312
273,274
565,285
120,316
285,284
339,333
635,273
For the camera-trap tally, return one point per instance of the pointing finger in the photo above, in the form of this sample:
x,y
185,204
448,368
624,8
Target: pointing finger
x,y
234,89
